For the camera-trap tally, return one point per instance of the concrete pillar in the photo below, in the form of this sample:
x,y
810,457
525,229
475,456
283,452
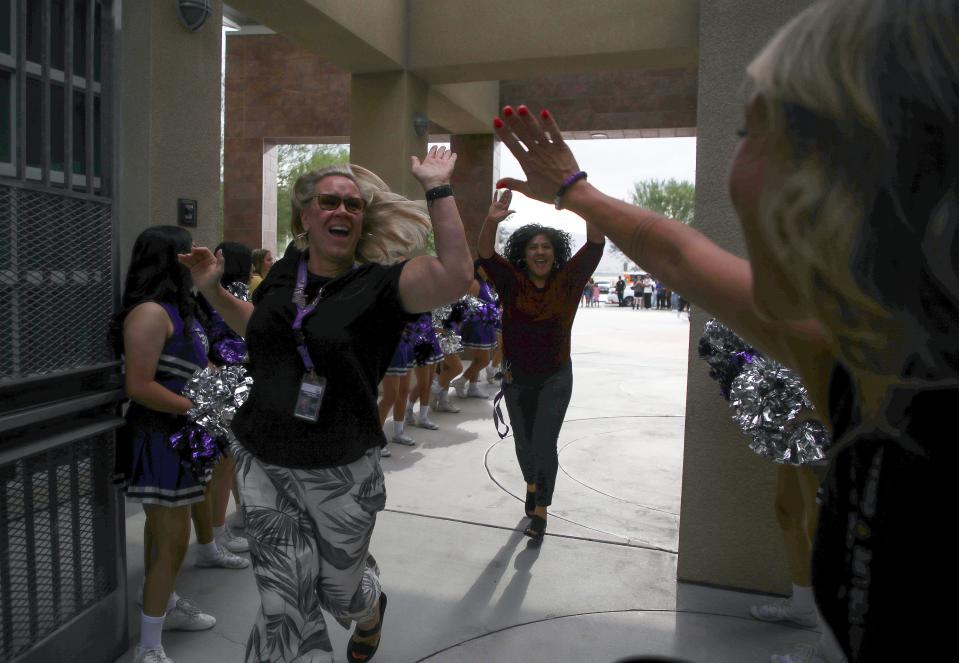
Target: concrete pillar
x,y
477,169
728,533
169,126
382,137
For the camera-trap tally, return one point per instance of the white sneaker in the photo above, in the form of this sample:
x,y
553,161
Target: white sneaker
x,y
152,655
443,405
385,452
490,374
237,520
804,654
459,385
187,616
783,611
410,419
233,543
475,392
425,423
403,439
223,559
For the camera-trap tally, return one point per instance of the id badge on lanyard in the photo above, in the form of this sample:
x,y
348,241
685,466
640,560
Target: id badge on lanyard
x,y
309,399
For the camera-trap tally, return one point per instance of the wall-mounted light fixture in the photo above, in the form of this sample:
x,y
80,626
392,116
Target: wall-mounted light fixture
x,y
193,13
421,124
598,134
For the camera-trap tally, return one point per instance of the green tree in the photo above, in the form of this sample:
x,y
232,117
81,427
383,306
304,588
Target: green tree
x,y
673,198
291,162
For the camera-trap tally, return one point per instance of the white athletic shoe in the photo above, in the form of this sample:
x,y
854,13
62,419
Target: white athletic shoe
x,y
223,559
459,385
403,439
385,452
443,405
425,423
783,611
233,543
151,655
187,616
475,392
410,419
237,520
490,374
804,654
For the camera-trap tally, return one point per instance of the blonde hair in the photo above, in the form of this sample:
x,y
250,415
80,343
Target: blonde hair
x,y
862,103
259,258
393,226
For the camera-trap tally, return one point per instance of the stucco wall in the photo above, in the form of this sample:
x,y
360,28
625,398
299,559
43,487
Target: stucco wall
x,y
169,128
728,533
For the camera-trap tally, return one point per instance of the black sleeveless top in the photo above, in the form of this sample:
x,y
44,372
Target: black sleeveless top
x,y
881,560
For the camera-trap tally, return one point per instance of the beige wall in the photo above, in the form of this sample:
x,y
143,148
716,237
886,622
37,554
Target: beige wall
x,y
728,533
538,37
381,121
169,126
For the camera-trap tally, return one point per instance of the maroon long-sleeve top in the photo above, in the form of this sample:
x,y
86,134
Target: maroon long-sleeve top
x,y
537,322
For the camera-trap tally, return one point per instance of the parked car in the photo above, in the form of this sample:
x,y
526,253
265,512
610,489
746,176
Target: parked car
x,y
604,287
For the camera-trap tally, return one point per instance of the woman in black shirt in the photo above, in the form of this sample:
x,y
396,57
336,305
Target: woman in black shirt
x,y
327,319
846,182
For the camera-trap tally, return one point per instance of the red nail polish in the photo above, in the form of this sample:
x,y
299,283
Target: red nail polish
x,y
523,110
500,185
544,114
498,123
507,111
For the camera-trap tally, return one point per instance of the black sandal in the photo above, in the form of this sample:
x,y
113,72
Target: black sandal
x,y
537,528
530,503
360,652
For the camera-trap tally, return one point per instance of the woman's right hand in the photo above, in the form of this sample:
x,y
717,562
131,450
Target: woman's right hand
x,y
540,150
499,209
205,268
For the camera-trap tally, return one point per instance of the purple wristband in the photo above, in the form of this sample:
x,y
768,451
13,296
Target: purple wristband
x,y
568,182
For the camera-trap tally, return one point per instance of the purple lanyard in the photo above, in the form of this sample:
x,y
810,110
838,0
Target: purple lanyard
x,y
302,310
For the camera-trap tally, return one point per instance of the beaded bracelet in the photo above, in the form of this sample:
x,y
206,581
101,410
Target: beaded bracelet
x,y
568,182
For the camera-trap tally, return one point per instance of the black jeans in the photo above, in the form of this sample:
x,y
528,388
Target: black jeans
x,y
536,413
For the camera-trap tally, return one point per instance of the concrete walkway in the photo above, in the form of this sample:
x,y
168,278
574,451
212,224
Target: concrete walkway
x,y
465,584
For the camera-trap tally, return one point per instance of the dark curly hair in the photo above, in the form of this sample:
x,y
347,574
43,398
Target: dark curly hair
x,y
515,250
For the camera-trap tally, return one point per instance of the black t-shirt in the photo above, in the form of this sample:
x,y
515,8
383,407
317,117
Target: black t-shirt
x,y
881,550
351,337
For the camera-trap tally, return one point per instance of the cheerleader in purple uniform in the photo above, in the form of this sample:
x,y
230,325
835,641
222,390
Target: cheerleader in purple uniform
x,y
497,359
162,345
479,337
396,386
427,353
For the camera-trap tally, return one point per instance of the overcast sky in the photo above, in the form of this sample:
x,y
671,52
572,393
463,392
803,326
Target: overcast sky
x,y
613,165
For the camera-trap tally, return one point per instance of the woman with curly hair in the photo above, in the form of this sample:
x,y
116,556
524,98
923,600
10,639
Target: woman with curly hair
x,y
327,320
540,286
846,184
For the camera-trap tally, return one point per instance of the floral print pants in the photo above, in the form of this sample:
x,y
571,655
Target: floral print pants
x,y
309,534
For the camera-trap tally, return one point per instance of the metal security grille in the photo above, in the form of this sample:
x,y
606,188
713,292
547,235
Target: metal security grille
x,y
57,531
56,284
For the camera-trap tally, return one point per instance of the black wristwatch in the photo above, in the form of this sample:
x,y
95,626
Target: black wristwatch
x,y
438,192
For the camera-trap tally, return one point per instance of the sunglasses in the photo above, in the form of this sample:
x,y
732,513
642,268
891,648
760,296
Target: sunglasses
x,y
329,202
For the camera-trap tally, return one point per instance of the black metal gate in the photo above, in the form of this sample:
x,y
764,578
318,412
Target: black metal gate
x,y
62,561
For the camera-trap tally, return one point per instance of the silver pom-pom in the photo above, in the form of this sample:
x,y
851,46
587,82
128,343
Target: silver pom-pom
x,y
766,396
441,314
451,343
216,396
240,290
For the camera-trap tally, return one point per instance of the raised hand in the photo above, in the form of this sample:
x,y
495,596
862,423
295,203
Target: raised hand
x,y
205,268
499,209
435,169
540,149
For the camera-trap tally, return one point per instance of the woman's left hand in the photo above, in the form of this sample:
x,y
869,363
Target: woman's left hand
x,y
435,169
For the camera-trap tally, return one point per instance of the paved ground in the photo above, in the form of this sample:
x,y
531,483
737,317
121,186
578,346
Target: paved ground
x,y
464,583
